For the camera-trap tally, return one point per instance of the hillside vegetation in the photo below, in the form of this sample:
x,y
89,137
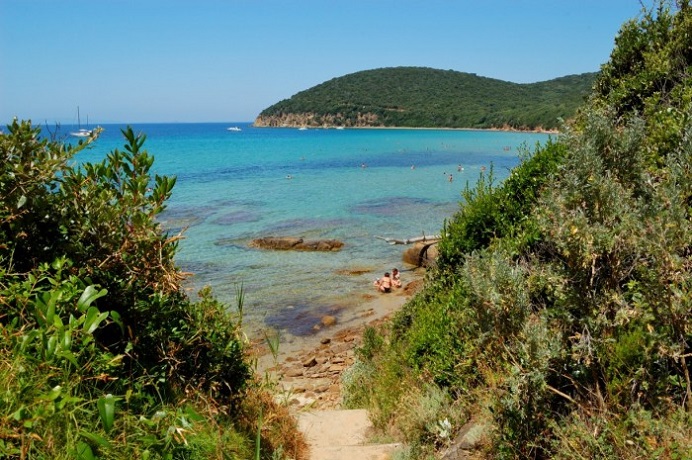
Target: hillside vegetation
x,y
558,319
424,97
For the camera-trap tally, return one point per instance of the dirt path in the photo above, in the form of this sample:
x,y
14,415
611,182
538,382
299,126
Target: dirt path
x,y
308,371
342,435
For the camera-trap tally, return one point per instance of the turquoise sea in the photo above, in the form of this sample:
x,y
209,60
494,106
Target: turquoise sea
x,y
354,185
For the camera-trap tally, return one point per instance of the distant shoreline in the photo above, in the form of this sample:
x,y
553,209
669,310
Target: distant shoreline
x,y
418,128
422,128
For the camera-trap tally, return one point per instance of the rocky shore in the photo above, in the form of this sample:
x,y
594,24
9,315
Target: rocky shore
x,y
307,370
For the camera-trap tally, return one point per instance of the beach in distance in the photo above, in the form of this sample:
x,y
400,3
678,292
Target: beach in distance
x,y
352,185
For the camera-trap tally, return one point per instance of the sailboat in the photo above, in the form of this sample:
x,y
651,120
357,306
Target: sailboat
x,y
81,132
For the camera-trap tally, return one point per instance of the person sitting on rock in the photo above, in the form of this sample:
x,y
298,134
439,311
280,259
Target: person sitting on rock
x,y
384,284
396,278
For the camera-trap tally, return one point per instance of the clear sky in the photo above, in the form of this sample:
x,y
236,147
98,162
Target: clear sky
x,y
226,60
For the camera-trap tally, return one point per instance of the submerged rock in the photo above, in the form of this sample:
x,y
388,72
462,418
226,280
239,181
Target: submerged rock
x,y
328,320
285,243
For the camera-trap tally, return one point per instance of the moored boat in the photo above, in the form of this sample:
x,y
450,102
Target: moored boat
x,y
81,132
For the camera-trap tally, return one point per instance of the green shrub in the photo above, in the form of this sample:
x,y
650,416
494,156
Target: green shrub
x,y
103,354
634,434
647,74
490,213
527,400
563,303
355,392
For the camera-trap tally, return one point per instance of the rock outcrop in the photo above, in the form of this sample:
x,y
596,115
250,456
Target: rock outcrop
x,y
314,120
286,243
421,254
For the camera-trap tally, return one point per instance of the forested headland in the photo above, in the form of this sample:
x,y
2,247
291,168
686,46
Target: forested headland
x,y
418,97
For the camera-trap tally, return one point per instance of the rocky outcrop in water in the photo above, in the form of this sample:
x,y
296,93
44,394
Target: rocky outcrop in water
x,y
421,254
291,243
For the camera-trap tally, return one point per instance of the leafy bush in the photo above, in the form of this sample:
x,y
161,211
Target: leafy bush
x,y
560,308
104,356
490,212
647,74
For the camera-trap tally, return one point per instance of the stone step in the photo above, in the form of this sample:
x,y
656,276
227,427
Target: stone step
x,y
369,452
341,435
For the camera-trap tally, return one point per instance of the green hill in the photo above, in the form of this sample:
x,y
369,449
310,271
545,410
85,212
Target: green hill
x,y
424,97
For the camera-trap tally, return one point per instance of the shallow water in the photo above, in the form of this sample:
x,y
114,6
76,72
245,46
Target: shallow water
x,y
350,185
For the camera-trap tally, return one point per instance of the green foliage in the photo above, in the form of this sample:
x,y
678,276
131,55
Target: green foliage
x,y
431,344
107,223
614,232
561,300
28,169
526,394
648,75
492,212
423,97
426,416
354,381
634,434
103,354
372,343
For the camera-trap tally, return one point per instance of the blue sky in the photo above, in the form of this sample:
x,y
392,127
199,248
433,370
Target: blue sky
x,y
129,61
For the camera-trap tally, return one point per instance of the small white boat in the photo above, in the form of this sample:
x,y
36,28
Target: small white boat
x,y
81,132
303,128
233,128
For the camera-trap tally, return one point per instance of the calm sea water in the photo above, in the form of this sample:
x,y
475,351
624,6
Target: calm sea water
x,y
351,185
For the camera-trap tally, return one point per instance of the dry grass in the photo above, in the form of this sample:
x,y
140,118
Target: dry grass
x,y
279,430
